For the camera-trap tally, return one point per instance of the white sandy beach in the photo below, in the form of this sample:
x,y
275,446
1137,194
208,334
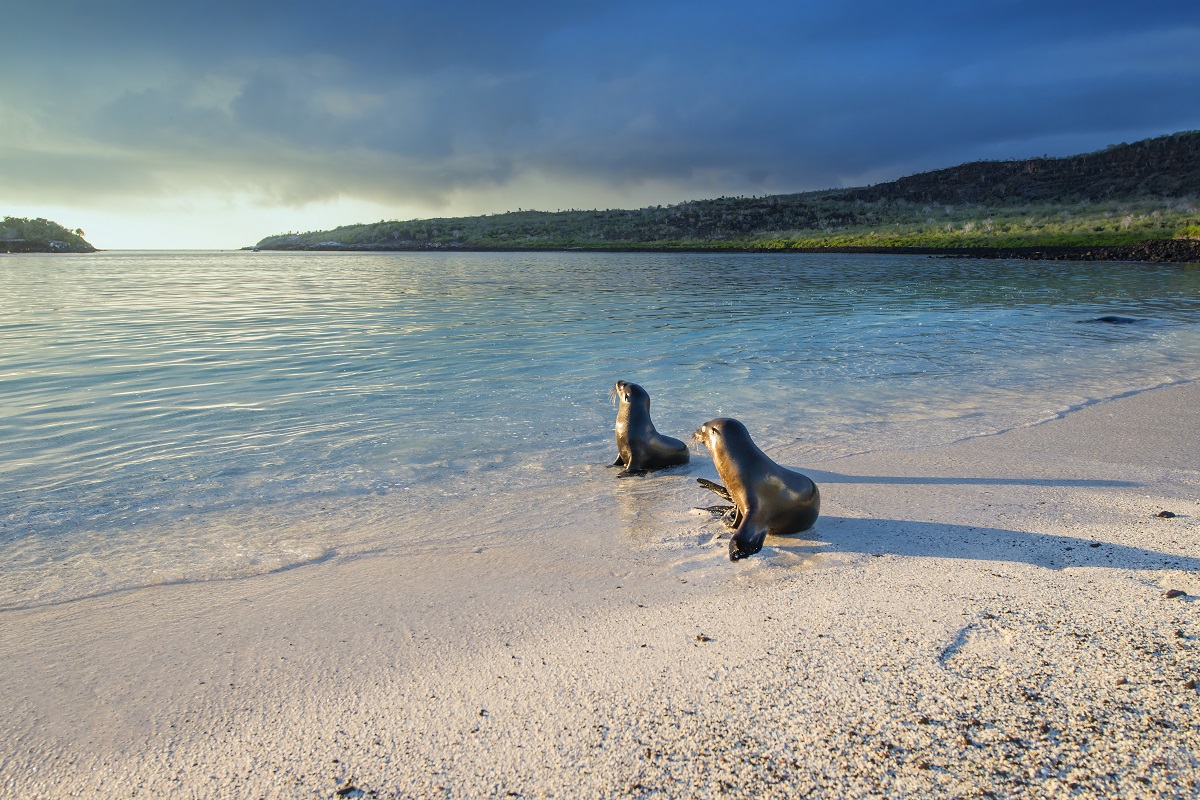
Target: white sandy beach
x,y
988,618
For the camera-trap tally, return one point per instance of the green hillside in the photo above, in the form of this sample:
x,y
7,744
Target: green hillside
x,y
20,235
1124,194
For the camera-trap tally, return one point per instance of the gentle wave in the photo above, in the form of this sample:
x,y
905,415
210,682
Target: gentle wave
x,y
180,416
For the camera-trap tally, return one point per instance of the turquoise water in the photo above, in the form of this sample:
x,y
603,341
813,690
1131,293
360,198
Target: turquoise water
x,y
182,416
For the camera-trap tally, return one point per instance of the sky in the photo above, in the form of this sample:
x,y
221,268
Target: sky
x,y
187,125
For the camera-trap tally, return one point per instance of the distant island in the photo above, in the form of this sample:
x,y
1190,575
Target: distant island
x,y
1134,201
20,235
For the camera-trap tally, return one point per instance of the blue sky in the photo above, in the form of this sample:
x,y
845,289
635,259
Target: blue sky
x,y
186,124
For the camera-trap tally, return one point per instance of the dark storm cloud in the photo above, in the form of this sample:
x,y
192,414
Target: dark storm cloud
x,y
407,101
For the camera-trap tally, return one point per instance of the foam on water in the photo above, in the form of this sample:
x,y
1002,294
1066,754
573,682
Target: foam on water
x,y
194,416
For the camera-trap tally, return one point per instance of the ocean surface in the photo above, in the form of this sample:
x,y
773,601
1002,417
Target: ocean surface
x,y
184,416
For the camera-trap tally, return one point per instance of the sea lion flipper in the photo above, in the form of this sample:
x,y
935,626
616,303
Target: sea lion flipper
x,y
715,487
745,542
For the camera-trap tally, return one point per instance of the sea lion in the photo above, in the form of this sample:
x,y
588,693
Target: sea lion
x,y
640,447
766,497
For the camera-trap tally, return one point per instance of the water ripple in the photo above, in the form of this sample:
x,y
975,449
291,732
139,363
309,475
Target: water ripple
x,y
150,400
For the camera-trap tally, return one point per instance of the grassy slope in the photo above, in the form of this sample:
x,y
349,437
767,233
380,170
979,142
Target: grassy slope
x,y
1117,196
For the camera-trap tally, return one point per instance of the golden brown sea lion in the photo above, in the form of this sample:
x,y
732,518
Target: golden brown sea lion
x,y
766,497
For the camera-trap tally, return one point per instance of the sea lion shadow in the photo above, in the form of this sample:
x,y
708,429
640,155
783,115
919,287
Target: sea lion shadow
x,y
821,476
878,537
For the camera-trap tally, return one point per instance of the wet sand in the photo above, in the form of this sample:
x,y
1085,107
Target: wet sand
x,y
989,618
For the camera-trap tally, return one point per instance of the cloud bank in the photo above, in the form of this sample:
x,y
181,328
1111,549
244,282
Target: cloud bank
x,y
458,106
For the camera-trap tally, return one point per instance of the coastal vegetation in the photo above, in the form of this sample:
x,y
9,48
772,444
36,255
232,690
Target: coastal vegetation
x,y
20,235
1126,193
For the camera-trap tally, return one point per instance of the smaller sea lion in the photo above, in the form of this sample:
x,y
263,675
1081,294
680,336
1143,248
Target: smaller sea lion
x,y
641,448
766,497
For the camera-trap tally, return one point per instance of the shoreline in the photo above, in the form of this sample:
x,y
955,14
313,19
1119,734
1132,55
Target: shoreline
x,y
1172,251
985,616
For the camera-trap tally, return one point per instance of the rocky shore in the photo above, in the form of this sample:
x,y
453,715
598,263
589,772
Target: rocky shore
x,y
42,246
1179,251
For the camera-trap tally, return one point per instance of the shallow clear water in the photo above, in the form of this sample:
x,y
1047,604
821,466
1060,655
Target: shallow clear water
x,y
181,416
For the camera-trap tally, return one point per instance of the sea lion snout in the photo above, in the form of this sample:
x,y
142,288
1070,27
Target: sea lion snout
x,y
619,393
626,392
713,426
701,439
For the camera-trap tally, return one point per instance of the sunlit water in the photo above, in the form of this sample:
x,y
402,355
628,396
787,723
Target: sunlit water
x,y
191,416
